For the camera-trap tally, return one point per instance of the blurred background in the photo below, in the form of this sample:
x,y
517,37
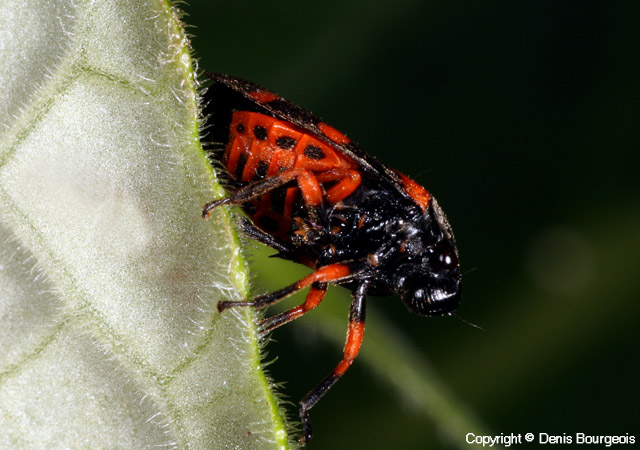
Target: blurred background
x,y
522,119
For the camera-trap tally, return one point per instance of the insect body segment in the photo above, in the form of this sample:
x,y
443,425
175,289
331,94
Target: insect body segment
x,y
313,195
261,147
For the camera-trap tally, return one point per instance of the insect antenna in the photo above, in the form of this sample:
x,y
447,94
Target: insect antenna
x,y
467,322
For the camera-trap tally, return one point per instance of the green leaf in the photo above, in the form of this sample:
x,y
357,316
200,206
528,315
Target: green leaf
x,y
108,276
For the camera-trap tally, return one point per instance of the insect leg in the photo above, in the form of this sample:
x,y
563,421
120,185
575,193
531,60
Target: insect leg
x,y
257,234
313,299
355,334
347,182
332,272
307,182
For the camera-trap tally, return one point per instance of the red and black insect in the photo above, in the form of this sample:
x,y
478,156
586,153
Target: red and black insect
x,y
319,200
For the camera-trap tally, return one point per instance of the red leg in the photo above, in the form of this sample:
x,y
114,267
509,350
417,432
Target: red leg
x,y
322,275
355,334
349,180
313,299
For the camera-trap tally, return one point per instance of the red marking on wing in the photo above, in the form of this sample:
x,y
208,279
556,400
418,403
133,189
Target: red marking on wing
x,y
419,194
263,96
333,134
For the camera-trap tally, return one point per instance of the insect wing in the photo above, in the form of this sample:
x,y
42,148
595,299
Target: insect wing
x,y
259,99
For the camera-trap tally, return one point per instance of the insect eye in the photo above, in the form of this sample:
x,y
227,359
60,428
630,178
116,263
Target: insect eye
x,y
444,257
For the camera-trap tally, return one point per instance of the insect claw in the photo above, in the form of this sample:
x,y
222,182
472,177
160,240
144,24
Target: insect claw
x,y
307,432
206,210
226,304
263,331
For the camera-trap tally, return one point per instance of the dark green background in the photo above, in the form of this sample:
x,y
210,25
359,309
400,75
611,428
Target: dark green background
x,y
522,118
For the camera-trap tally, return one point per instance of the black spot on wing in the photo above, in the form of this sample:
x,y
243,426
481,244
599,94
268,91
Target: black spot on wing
x,y
313,152
261,170
260,133
286,142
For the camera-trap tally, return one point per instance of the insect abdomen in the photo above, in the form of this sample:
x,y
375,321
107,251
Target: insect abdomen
x,y
261,146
